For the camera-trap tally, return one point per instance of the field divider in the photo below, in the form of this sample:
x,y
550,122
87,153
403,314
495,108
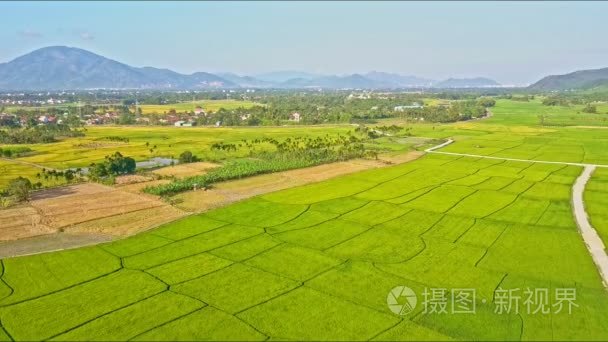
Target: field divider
x,y
450,141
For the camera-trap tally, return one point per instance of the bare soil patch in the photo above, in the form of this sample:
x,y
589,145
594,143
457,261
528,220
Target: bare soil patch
x,y
69,208
138,187
129,223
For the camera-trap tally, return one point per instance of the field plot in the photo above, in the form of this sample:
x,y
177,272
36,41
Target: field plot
x,y
207,105
85,208
316,262
164,141
11,169
514,131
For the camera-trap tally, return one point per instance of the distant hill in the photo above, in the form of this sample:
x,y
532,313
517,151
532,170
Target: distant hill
x,y
246,81
583,79
60,67
477,82
398,81
354,81
68,68
284,76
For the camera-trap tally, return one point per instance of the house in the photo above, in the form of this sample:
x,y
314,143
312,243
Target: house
x,y
182,123
172,119
414,105
295,117
198,110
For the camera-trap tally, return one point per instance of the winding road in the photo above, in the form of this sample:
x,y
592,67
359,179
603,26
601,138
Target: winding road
x,y
594,243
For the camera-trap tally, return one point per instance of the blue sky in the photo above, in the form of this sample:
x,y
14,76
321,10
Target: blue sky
x,y
512,42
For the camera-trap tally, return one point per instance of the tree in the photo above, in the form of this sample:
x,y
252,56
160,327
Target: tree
x,y
589,108
541,120
187,157
20,188
486,102
126,119
113,165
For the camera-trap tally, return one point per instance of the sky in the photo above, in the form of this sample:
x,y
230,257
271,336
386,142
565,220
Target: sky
x,y
515,43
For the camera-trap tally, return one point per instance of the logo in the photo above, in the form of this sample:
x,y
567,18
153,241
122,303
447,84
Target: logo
x,y
401,300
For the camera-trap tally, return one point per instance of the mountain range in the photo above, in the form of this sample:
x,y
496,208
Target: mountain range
x,y
582,79
68,68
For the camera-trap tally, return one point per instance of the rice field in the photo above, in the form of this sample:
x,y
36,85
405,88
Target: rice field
x,y
164,141
207,105
316,262
513,131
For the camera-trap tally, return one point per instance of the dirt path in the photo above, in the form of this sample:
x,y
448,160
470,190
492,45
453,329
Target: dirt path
x,y
49,243
592,240
16,161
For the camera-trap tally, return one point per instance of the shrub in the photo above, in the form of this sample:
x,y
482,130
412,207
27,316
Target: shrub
x,y
20,188
589,108
187,157
113,165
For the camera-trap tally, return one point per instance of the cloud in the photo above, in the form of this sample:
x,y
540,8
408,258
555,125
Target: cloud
x,y
84,35
29,34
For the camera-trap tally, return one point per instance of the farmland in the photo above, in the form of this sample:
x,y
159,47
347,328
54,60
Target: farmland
x,y
207,105
144,143
439,222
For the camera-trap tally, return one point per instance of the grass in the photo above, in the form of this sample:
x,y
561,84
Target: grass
x,y
233,268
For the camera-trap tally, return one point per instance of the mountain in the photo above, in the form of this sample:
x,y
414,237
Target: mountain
x,y
582,79
477,82
60,67
284,76
68,68
354,81
245,81
398,81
